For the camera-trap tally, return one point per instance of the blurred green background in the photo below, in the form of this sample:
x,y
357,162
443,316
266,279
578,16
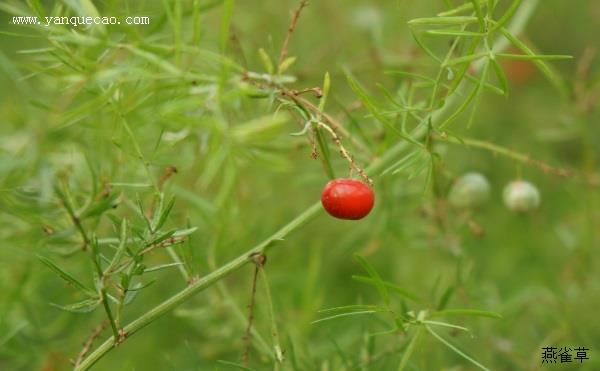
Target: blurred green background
x,y
59,120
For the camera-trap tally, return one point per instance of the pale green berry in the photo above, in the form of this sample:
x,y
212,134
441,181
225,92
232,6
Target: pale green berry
x,y
469,191
521,196
367,17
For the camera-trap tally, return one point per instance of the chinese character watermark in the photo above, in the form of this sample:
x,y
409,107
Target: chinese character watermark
x,y
564,354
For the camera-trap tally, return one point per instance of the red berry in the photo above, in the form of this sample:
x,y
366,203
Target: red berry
x,y
347,199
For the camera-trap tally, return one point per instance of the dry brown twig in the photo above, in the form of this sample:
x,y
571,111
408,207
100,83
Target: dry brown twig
x,y
332,122
87,345
584,98
291,28
168,242
168,173
329,124
294,95
171,241
345,154
259,261
332,132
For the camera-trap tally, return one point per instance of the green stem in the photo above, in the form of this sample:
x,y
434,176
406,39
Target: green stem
x,y
139,153
102,288
109,314
517,156
313,211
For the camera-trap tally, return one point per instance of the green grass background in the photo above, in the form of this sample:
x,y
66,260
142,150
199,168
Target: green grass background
x,y
539,271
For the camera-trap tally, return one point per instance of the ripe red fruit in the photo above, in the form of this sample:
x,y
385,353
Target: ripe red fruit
x,y
347,199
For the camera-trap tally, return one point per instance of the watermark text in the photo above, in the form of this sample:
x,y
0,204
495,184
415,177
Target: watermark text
x,y
75,21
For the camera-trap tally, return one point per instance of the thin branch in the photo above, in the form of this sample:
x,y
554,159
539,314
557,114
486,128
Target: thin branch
x,y
591,180
102,291
333,123
171,241
585,99
345,153
290,31
168,173
87,345
544,167
73,215
259,261
295,96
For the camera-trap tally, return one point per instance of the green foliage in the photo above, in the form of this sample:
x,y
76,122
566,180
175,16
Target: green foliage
x,y
141,165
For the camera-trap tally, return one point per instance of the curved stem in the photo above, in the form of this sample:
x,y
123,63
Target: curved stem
x,y
379,164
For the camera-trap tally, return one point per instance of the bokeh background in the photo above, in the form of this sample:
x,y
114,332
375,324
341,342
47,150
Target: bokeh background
x,y
539,271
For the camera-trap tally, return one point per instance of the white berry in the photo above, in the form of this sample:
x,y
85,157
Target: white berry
x,y
521,196
469,191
